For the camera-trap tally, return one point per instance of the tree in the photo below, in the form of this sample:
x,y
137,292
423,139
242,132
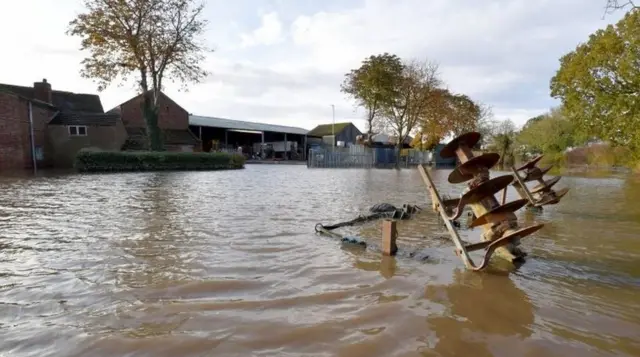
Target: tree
x,y
450,114
503,142
485,125
372,85
549,134
598,83
614,5
411,99
533,120
150,39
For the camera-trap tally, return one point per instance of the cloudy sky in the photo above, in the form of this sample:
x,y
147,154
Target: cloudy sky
x,y
282,61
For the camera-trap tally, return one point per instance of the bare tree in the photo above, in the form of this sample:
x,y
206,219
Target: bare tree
x,y
412,98
615,5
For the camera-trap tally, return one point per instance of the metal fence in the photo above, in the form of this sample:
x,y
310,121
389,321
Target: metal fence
x,y
358,156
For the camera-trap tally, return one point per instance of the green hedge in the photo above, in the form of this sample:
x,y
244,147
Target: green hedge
x,y
119,161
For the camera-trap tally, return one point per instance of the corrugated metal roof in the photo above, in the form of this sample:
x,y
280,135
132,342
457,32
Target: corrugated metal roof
x,y
243,125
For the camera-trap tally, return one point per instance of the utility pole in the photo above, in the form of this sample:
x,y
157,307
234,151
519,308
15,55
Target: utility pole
x,y
333,125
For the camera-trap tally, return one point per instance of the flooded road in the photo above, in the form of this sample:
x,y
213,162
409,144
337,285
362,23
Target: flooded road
x,y
227,264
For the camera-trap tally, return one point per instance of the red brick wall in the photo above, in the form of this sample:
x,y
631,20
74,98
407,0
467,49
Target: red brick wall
x,y
15,144
171,115
11,132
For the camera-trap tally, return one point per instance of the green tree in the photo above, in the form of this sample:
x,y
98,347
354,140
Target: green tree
x,y
598,84
150,39
532,121
548,134
372,84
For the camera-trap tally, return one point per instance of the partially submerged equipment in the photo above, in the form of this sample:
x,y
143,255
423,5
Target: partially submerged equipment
x,y
541,194
502,232
390,215
378,211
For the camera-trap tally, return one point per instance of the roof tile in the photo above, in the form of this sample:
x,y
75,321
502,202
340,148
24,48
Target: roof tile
x,y
89,119
66,101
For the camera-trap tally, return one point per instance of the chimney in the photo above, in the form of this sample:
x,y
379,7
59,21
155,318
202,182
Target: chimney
x,y
42,91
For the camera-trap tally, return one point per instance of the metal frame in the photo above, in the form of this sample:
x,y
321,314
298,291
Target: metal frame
x,y
501,229
544,192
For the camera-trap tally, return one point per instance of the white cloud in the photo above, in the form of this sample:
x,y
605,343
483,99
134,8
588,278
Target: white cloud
x,y
269,33
287,69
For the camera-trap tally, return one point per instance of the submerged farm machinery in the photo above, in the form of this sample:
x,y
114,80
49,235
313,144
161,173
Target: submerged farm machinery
x,y
502,231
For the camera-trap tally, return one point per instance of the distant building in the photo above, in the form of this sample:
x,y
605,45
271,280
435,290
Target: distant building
x,y
382,140
173,121
48,127
346,134
286,142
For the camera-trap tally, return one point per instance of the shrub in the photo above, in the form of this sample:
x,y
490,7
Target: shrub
x,y
114,161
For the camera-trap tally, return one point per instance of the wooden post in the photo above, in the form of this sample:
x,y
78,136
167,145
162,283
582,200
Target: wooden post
x,y
389,236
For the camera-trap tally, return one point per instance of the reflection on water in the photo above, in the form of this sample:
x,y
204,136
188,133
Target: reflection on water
x,y
227,263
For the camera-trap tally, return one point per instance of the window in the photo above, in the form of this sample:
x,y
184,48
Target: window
x,y
77,130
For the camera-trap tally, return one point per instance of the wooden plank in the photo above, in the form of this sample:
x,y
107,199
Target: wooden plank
x,y
466,259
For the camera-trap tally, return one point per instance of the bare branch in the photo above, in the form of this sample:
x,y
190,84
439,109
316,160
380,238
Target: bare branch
x,y
615,5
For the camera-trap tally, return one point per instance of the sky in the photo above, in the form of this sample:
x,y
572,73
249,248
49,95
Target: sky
x,y
282,61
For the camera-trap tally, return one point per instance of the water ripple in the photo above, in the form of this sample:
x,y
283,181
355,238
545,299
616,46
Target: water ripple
x,y
227,263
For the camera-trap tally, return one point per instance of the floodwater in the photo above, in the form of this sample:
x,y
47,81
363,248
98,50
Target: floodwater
x,y
228,264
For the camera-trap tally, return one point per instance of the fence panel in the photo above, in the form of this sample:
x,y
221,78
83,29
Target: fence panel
x,y
358,156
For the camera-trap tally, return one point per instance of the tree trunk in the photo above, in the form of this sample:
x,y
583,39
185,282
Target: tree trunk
x,y
399,148
150,112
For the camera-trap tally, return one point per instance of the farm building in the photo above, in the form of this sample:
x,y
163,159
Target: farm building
x,y
253,139
346,134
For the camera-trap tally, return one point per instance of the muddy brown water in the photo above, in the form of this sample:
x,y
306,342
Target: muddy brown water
x,y
227,264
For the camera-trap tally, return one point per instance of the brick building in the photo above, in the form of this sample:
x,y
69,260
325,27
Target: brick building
x,y
173,121
15,130
39,112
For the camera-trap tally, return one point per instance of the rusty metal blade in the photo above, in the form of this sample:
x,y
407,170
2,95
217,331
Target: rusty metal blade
x,y
530,164
536,173
552,197
469,139
477,246
499,213
451,202
521,233
546,186
486,189
502,241
482,191
466,171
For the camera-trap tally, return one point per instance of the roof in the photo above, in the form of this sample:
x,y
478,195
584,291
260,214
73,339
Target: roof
x,y
244,125
35,102
89,119
328,129
118,108
62,100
